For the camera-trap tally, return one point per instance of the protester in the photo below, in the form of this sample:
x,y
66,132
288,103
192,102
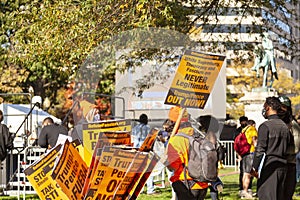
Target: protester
x,y
298,157
286,114
50,133
210,126
140,131
159,149
78,120
177,152
97,116
247,160
243,123
6,144
271,150
6,141
168,127
215,188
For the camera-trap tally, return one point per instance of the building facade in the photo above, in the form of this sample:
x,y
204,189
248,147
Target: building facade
x,y
236,30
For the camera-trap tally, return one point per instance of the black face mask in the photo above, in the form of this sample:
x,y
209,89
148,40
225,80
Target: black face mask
x,y
243,125
264,113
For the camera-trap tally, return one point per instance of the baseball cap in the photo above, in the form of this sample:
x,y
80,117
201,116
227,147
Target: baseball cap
x,y
285,101
243,118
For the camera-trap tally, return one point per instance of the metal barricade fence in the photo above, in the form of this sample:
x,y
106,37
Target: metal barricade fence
x,y
31,154
2,177
16,182
231,157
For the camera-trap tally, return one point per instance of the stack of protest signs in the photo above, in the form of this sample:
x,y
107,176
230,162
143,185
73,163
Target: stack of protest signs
x,y
115,170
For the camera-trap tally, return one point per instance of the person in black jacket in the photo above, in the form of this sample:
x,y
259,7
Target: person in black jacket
x,y
286,114
271,150
50,132
6,140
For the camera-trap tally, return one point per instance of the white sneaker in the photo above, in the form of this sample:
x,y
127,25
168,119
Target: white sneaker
x,y
246,195
220,188
240,193
250,192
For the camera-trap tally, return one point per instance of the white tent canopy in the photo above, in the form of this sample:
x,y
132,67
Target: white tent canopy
x,y
15,114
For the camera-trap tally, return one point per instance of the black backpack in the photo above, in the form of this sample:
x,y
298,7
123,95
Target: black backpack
x,y
6,141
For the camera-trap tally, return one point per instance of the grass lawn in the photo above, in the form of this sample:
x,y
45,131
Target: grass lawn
x,y
230,191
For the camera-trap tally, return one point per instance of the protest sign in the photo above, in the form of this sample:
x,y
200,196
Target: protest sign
x,y
104,138
99,171
151,162
150,139
91,132
132,176
194,79
70,172
115,173
39,175
92,167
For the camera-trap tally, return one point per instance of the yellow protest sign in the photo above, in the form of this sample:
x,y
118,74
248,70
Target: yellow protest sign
x,y
139,184
117,132
194,79
39,175
99,171
132,176
70,172
115,173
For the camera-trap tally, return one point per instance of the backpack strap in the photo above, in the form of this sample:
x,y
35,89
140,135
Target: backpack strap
x,y
184,135
188,183
245,129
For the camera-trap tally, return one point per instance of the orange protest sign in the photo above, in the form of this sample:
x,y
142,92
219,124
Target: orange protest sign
x,y
39,175
99,171
194,79
132,176
92,170
70,172
151,162
150,139
115,173
105,138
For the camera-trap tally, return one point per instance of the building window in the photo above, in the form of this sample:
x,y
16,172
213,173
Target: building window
x,y
277,22
281,9
230,28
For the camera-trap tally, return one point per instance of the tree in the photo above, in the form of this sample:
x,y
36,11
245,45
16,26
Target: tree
x,y
288,87
247,80
51,39
46,42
